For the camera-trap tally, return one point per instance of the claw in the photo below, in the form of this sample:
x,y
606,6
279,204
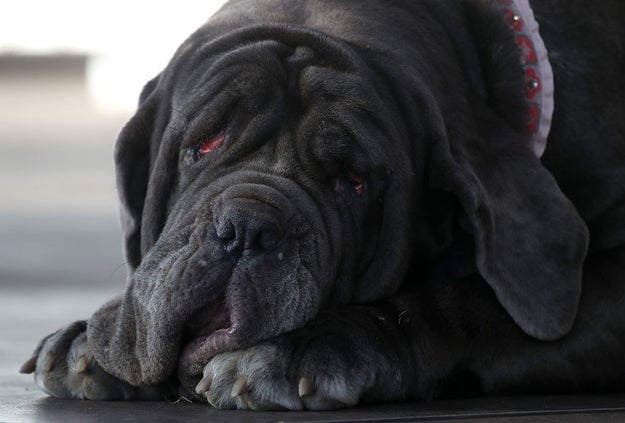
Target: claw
x,y
203,385
304,387
239,387
82,365
29,366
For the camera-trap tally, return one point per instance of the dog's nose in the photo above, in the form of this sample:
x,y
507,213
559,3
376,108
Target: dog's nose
x,y
247,227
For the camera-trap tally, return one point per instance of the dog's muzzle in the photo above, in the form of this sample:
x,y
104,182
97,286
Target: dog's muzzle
x,y
251,220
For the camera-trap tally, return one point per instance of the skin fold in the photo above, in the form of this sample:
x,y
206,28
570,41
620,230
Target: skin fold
x,y
334,203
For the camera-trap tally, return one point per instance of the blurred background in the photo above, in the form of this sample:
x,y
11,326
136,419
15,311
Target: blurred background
x,y
70,74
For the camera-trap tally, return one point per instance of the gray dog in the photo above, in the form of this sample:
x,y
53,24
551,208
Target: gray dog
x,y
334,202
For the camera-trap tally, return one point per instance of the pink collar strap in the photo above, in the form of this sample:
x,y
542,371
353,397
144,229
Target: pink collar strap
x,y
538,73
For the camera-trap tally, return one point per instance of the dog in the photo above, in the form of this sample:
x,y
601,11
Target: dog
x,y
332,203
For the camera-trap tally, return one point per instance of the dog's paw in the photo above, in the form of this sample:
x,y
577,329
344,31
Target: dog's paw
x,y
251,379
271,376
64,367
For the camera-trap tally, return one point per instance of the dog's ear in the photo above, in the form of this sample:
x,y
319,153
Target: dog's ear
x,y
132,167
530,240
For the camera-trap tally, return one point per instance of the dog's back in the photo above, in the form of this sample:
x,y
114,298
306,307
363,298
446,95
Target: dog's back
x,y
586,148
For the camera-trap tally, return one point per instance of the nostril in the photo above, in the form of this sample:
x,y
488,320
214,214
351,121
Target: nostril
x,y
248,234
226,230
249,228
259,235
270,239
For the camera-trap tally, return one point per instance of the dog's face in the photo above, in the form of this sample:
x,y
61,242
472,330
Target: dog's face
x,y
272,170
269,190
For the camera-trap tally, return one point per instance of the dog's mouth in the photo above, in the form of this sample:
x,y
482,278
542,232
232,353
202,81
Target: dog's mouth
x,y
211,326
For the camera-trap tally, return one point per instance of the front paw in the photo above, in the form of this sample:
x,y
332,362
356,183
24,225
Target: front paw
x,y
64,367
274,376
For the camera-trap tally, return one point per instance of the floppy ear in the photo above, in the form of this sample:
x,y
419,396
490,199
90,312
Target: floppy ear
x,y
132,167
530,240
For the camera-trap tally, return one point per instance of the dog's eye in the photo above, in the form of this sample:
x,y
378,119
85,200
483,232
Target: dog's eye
x,y
357,181
208,146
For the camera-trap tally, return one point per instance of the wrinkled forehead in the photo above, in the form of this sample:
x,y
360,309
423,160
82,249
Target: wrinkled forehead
x,y
294,63
276,75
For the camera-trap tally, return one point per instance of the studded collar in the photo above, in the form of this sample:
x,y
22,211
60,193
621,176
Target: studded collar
x,y
539,87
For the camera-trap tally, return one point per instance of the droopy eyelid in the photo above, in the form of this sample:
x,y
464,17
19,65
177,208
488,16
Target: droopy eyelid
x,y
208,145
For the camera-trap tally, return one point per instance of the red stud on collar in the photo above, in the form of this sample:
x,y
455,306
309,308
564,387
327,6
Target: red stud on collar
x,y
539,86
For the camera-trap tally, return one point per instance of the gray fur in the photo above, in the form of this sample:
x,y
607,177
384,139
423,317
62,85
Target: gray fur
x,y
327,203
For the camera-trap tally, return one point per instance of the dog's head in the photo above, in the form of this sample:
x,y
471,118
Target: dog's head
x,y
274,170
259,181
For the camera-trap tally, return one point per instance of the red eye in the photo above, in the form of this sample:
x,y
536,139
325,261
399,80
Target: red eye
x,y
210,145
357,181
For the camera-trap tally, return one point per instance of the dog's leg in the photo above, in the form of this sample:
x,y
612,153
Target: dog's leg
x,y
444,339
337,361
64,367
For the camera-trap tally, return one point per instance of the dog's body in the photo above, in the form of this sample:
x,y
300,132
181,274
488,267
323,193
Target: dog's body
x,y
333,202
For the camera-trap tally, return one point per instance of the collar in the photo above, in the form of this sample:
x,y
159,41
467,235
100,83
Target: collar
x,y
539,87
